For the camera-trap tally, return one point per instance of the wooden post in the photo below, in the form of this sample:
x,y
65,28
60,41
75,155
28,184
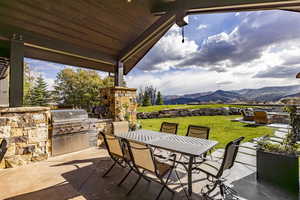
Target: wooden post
x,y
119,74
16,77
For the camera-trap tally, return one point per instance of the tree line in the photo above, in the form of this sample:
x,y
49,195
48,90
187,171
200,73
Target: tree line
x,y
149,95
77,88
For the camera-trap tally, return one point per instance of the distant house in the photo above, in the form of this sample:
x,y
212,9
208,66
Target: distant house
x,y
4,92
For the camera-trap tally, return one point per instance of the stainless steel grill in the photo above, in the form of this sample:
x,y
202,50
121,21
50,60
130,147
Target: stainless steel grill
x,y
71,130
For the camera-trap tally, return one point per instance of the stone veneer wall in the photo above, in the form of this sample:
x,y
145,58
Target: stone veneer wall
x,y
26,130
189,112
121,103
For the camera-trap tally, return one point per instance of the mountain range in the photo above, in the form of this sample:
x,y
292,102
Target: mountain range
x,y
265,94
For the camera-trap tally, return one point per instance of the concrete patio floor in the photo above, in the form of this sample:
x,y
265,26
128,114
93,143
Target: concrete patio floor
x,y
77,176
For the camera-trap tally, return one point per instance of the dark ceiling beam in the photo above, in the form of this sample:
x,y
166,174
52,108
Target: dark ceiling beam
x,y
51,44
146,37
202,6
41,54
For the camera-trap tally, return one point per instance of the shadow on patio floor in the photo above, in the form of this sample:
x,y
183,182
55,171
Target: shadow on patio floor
x,y
86,182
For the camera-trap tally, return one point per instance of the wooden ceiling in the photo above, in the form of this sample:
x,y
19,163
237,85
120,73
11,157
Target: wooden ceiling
x,y
98,33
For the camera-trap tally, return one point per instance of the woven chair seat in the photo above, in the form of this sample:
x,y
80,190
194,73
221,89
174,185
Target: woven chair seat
x,y
162,168
210,167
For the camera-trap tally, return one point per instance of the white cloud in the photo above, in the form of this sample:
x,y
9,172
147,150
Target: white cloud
x,y
202,26
168,52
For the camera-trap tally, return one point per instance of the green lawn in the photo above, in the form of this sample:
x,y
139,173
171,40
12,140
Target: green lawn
x,y
222,129
163,107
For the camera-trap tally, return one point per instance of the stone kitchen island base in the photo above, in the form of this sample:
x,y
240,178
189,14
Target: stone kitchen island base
x,y
26,131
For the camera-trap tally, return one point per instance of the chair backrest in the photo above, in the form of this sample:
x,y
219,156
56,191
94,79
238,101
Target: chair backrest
x,y
120,127
3,149
231,151
142,156
168,127
113,145
198,131
261,117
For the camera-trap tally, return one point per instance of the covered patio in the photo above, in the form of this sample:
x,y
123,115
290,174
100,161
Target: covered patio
x,y
110,36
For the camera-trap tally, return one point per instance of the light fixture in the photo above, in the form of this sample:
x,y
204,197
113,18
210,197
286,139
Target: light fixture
x,y
298,75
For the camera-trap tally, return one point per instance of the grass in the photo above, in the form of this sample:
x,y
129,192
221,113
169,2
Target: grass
x,y
164,107
222,129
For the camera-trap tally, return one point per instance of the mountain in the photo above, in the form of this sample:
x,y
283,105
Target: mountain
x,y
222,96
265,94
269,93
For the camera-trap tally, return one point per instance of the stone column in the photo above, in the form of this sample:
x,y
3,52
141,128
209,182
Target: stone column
x,y
120,103
26,130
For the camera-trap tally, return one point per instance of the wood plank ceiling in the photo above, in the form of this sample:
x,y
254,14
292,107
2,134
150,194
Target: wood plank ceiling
x,y
98,33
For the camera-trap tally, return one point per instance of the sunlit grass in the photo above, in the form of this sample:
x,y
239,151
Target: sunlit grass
x,y
222,128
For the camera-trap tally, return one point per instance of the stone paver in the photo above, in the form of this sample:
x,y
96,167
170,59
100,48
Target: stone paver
x,y
77,176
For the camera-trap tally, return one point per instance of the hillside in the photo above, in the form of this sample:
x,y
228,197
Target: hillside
x,y
265,94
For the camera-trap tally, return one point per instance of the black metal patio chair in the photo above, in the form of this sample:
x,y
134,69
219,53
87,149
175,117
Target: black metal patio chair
x,y
120,127
3,149
144,162
167,127
117,153
214,170
198,132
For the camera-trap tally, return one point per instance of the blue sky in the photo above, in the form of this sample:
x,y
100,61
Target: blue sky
x,y
221,51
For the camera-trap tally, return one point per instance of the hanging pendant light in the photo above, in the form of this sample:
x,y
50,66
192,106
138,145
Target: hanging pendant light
x,y
182,33
298,75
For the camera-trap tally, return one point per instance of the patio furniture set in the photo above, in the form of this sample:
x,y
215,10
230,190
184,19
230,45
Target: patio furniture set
x,y
155,155
264,117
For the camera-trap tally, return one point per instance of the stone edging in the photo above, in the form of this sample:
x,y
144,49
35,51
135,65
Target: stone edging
x,y
189,112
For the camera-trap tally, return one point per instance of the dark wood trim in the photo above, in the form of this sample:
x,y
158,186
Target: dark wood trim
x,y
6,31
66,59
194,7
16,78
144,38
119,74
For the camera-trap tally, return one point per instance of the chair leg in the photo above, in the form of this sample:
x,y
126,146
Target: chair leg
x,y
124,178
165,185
109,169
132,188
162,189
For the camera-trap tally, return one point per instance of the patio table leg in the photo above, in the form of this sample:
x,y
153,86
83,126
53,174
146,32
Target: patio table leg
x,y
190,167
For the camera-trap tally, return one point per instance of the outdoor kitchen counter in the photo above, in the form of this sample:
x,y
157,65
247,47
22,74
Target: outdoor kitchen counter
x,y
23,109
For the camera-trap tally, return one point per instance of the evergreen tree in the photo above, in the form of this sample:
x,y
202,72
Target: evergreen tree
x,y
146,100
40,94
159,99
28,84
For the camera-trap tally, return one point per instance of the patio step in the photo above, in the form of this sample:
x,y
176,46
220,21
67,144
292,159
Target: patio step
x,y
283,126
248,145
284,130
276,139
247,151
280,134
241,158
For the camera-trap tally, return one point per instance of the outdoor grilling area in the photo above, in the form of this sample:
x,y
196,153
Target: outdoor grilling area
x,y
61,154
